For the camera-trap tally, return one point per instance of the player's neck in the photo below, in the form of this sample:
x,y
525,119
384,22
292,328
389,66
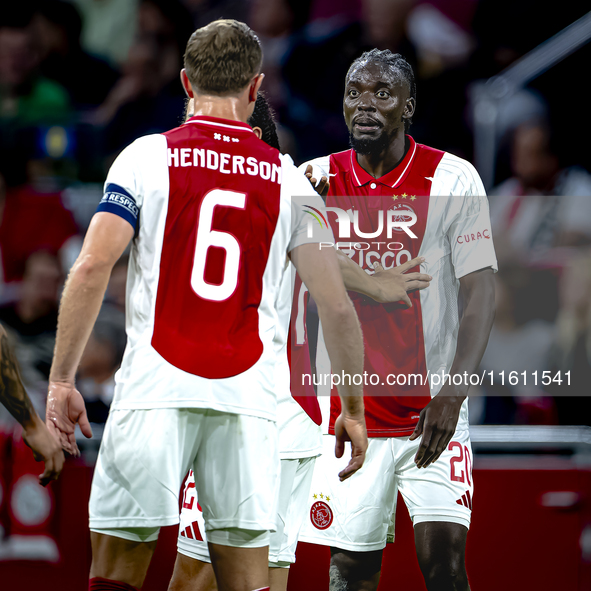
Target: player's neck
x,y
387,160
221,107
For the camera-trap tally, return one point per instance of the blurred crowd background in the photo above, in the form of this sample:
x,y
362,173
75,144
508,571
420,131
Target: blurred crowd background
x,y
80,80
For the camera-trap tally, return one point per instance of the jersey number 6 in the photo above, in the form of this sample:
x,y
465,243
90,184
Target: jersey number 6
x,y
207,237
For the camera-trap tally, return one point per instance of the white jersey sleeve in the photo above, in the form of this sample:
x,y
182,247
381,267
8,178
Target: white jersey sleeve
x,y
468,217
470,236
124,190
309,221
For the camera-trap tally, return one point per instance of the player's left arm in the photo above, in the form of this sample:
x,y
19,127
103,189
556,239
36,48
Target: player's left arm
x,y
473,257
438,420
107,237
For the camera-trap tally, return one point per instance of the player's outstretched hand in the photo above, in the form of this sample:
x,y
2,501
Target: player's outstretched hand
x,y
396,283
320,187
437,425
45,449
349,428
65,408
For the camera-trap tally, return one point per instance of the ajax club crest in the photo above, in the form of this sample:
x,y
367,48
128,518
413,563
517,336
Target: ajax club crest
x,y
321,515
403,215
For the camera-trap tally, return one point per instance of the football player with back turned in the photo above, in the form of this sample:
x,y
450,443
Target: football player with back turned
x,y
209,208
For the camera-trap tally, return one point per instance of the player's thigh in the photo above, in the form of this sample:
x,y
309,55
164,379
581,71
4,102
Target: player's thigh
x,y
353,515
237,476
442,492
294,489
122,559
143,458
441,547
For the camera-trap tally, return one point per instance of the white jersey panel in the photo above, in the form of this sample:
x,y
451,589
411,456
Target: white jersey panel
x,y
458,207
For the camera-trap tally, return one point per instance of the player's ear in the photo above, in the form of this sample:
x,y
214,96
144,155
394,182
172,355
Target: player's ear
x,y
254,87
186,84
258,132
409,108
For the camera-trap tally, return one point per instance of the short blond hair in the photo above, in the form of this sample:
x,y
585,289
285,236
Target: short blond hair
x,y
223,57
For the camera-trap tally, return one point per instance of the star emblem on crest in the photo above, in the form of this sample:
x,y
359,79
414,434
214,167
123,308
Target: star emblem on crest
x,y
404,195
327,498
395,197
217,136
321,496
413,197
315,496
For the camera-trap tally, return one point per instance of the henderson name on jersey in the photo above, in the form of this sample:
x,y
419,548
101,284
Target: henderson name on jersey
x,y
214,217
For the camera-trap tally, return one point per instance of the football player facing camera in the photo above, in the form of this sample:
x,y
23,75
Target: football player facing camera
x,y
407,200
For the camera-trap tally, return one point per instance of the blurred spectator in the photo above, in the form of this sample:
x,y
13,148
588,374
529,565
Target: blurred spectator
x,y
149,98
109,27
205,11
520,341
542,205
33,317
385,24
24,95
572,348
100,360
58,25
170,24
441,32
143,101
31,221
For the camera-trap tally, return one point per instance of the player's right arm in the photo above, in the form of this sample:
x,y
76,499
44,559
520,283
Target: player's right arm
x,y
109,233
319,270
385,285
107,237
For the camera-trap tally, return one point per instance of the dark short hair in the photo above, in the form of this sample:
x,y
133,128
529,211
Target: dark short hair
x,y
390,60
263,117
223,57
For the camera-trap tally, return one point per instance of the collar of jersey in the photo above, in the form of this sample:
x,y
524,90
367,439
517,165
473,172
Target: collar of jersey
x,y
221,123
394,177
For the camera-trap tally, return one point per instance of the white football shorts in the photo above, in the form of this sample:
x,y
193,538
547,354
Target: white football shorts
x,y
294,488
358,514
146,454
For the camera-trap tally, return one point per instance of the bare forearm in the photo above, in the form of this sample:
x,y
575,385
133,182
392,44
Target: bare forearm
x,y
355,278
475,328
12,392
344,342
79,308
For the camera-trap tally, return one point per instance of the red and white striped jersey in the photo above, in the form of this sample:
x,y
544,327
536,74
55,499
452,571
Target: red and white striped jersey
x,y
214,219
442,200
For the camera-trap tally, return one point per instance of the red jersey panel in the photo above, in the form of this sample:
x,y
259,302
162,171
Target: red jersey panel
x,y
392,334
223,208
